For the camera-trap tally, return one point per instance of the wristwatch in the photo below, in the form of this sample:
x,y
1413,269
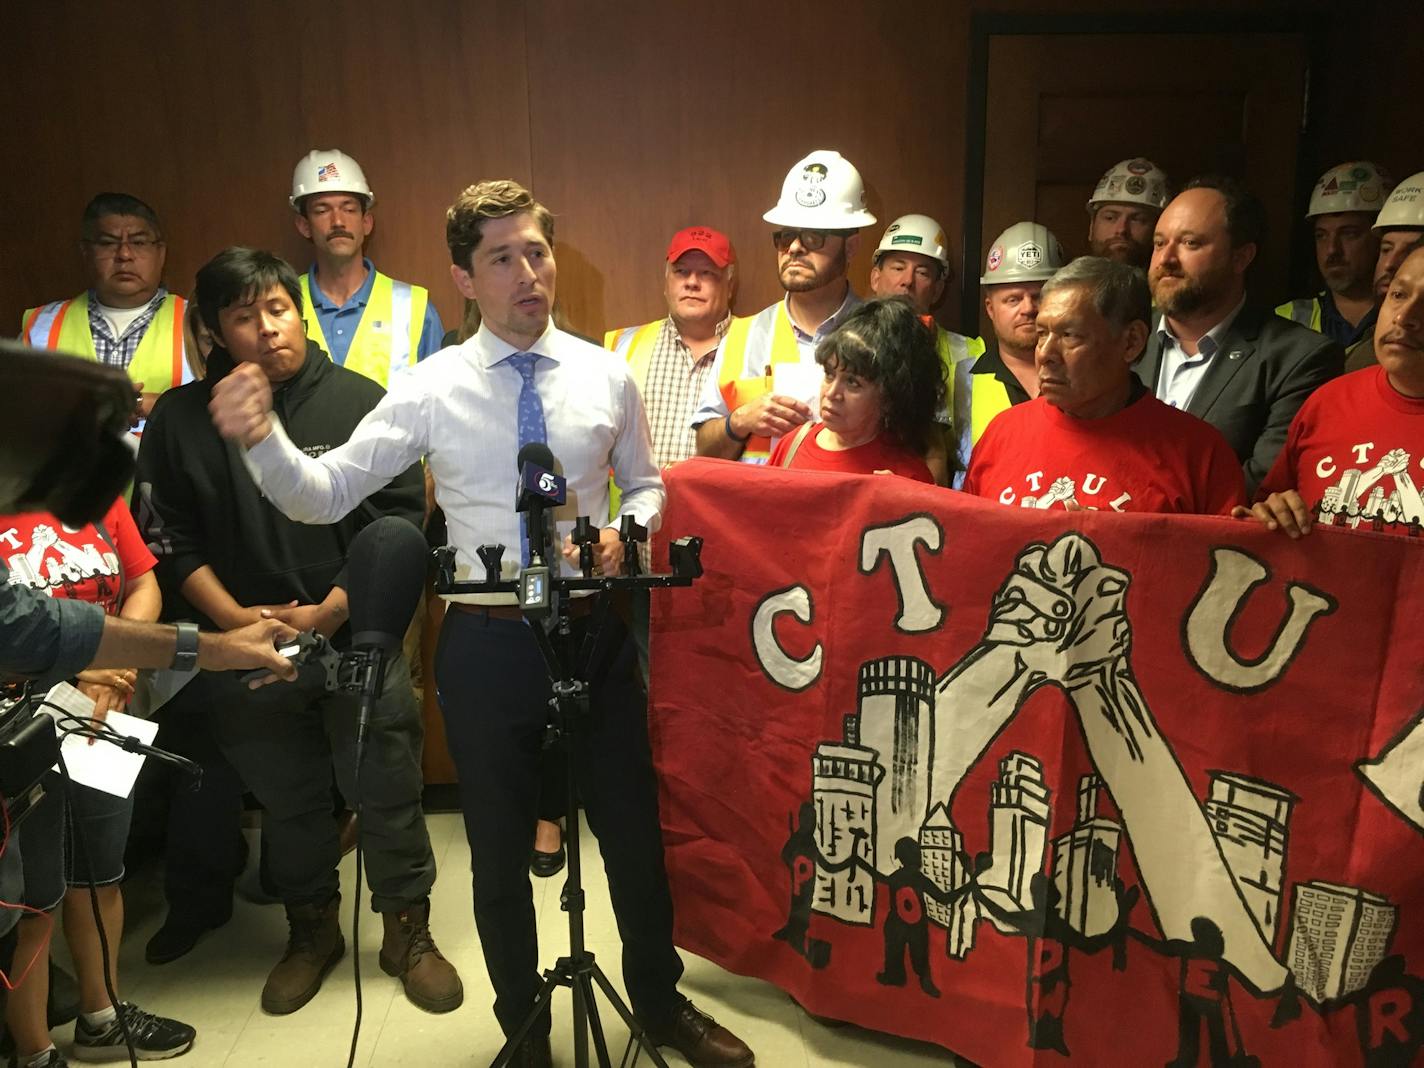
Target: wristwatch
x,y
739,439
185,651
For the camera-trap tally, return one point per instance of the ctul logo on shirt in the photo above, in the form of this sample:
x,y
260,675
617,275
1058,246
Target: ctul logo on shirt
x,y
51,561
1064,490
1383,489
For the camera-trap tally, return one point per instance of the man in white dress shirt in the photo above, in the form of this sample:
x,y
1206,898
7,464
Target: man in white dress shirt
x,y
468,410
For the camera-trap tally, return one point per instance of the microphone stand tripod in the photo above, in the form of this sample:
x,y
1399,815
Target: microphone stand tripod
x,y
568,714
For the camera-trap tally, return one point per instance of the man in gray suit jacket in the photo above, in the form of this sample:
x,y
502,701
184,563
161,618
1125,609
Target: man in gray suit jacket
x,y
1244,370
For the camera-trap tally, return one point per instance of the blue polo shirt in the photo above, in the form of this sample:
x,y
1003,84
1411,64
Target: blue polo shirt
x,y
339,323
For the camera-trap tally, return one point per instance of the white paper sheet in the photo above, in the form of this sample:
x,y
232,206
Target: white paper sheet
x,y
102,765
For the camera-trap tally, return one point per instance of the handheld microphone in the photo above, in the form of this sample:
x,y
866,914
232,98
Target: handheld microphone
x,y
386,565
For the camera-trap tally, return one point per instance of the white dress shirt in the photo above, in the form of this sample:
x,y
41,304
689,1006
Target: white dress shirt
x,y
457,408
1179,372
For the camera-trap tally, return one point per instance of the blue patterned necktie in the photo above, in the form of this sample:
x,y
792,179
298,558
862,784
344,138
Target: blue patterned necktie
x,y
531,422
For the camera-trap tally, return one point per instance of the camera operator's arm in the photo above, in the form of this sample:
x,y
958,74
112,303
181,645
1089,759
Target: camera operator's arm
x,y
50,639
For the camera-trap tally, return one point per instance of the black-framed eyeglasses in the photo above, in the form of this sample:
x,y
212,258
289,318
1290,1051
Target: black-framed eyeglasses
x,y
811,240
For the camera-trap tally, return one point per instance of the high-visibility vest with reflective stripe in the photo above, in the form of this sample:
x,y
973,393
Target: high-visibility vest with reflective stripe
x,y
158,362
387,338
1305,311
957,353
770,340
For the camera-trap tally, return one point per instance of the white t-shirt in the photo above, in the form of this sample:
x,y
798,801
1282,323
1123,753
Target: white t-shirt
x,y
119,319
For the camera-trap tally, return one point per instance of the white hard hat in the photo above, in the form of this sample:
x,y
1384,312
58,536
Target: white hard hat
x,y
1404,210
915,233
1025,252
822,192
328,170
1132,181
1355,186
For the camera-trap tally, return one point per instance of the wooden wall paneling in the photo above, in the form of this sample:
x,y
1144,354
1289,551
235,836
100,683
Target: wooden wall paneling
x,y
647,117
204,112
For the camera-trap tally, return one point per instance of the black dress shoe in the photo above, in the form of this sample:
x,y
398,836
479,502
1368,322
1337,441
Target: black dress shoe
x,y
546,864
178,935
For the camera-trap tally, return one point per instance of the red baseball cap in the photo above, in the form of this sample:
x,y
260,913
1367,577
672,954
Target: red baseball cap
x,y
704,239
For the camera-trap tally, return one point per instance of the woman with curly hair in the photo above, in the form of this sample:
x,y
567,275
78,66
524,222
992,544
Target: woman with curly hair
x,y
883,388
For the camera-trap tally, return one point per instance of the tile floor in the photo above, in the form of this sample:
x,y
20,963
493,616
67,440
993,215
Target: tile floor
x,y
216,988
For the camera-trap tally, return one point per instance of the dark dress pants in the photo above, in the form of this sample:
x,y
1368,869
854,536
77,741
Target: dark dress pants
x,y
494,691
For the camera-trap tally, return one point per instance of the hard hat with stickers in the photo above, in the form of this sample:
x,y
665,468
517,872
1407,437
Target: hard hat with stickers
x,y
1404,210
1355,186
328,170
1132,181
822,192
915,233
1025,252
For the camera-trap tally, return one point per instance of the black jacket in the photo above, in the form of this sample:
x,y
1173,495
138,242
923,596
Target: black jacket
x,y
1253,387
197,504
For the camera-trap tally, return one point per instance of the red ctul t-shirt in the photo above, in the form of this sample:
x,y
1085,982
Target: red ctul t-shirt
x,y
1146,458
1355,449
882,454
44,554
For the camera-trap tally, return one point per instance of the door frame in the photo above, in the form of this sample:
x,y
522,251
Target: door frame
x,y
984,25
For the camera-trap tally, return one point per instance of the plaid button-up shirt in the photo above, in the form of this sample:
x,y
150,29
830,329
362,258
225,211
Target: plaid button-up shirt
x,y
119,352
673,392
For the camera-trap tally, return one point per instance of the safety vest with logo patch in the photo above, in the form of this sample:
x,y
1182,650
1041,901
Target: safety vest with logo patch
x,y
63,326
387,338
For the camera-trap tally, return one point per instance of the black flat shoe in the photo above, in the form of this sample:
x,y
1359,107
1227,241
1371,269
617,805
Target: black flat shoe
x,y
546,864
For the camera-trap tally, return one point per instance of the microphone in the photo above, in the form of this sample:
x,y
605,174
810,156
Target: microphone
x,y
386,565
538,488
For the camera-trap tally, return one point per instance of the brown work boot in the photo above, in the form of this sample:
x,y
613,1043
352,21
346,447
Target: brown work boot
x,y
408,952
314,945
702,1040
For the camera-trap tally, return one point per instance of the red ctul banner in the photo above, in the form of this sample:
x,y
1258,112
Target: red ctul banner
x,y
1040,786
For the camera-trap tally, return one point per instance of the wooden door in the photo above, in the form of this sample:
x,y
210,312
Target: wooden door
x,y
1063,108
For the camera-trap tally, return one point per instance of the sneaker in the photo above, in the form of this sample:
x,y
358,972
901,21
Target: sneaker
x,y
53,1059
155,1038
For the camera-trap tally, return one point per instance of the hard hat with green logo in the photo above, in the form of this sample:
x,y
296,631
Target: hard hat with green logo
x,y
915,233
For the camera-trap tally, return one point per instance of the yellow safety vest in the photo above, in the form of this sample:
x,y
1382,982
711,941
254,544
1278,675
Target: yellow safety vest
x,y
387,338
635,344
769,337
1305,311
989,398
63,326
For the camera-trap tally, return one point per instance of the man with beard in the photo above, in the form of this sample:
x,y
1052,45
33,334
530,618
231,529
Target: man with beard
x,y
765,378
1124,208
365,321
1243,370
1355,452
1020,260
1400,228
1342,211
